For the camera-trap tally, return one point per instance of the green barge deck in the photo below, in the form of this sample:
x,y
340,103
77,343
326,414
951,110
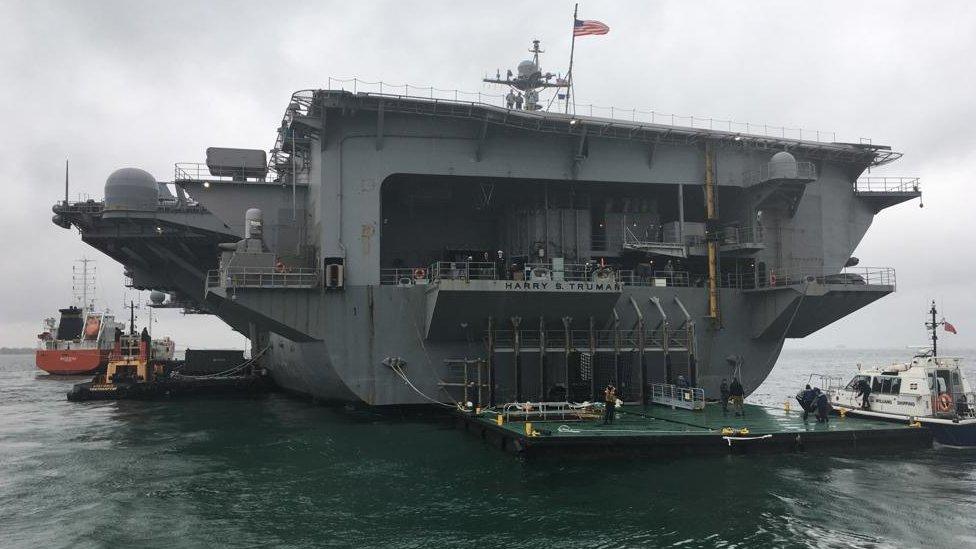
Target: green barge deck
x,y
656,430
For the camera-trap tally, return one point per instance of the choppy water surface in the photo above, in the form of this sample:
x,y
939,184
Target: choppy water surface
x,y
283,472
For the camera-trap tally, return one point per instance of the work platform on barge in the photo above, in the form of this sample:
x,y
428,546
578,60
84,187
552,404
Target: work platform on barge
x,y
660,431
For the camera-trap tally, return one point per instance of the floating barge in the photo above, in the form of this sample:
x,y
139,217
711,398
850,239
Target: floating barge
x,y
663,431
173,387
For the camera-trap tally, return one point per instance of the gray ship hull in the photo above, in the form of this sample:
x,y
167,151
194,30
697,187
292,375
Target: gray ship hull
x,y
364,331
369,273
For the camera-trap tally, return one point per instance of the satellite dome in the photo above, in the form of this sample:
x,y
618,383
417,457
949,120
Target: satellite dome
x,y
157,297
527,68
131,189
782,166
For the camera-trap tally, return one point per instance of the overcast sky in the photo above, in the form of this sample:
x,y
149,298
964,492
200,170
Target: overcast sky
x,y
147,84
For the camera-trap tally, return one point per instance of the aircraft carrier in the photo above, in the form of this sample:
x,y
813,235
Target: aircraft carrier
x,y
397,246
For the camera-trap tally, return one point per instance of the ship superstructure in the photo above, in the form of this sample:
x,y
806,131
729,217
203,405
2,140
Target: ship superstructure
x,y
398,249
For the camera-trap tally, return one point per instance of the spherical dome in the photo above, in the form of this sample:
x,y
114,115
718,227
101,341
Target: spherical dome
x,y
782,166
157,297
131,189
527,68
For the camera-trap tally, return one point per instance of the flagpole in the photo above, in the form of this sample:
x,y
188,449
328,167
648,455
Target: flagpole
x,y
572,51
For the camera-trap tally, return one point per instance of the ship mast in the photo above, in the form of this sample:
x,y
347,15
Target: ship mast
x,y
528,80
933,326
83,280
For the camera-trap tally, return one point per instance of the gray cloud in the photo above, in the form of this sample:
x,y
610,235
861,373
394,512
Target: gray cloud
x,y
112,84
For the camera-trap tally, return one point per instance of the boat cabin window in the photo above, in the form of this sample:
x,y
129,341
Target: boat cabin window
x,y
852,386
895,385
955,379
887,385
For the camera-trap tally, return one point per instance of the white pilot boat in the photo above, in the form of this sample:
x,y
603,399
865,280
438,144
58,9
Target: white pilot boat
x,y
931,390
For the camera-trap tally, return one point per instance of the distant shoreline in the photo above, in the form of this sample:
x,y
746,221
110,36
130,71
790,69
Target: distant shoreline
x,y
16,350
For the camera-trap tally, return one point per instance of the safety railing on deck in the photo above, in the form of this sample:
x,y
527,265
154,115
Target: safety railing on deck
x,y
730,236
654,278
624,340
771,171
258,277
853,276
462,270
193,171
88,206
646,116
689,398
571,272
886,185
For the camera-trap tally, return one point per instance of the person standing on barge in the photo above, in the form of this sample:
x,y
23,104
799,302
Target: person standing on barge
x,y
609,403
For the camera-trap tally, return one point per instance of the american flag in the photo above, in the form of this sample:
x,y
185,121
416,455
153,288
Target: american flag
x,y
584,28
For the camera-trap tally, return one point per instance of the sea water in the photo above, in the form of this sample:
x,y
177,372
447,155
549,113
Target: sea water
x,y
283,472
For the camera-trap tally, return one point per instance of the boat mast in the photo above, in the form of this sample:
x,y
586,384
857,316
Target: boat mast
x,y
83,280
934,327
132,317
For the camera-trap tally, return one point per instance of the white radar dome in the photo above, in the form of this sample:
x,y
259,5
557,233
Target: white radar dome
x,y
157,297
782,166
527,68
131,189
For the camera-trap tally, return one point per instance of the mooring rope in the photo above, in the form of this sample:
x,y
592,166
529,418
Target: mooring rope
x,y
737,439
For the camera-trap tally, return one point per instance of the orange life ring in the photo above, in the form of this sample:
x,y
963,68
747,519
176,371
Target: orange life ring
x,y
772,279
279,267
945,402
420,273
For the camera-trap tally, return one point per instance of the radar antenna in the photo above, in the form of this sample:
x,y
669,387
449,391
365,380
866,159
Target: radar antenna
x,y
83,283
527,81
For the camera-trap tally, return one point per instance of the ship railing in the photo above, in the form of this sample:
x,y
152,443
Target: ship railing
x,y
462,270
852,276
772,171
87,206
263,277
643,277
195,171
568,272
638,115
623,340
688,398
403,276
887,185
729,236
529,272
